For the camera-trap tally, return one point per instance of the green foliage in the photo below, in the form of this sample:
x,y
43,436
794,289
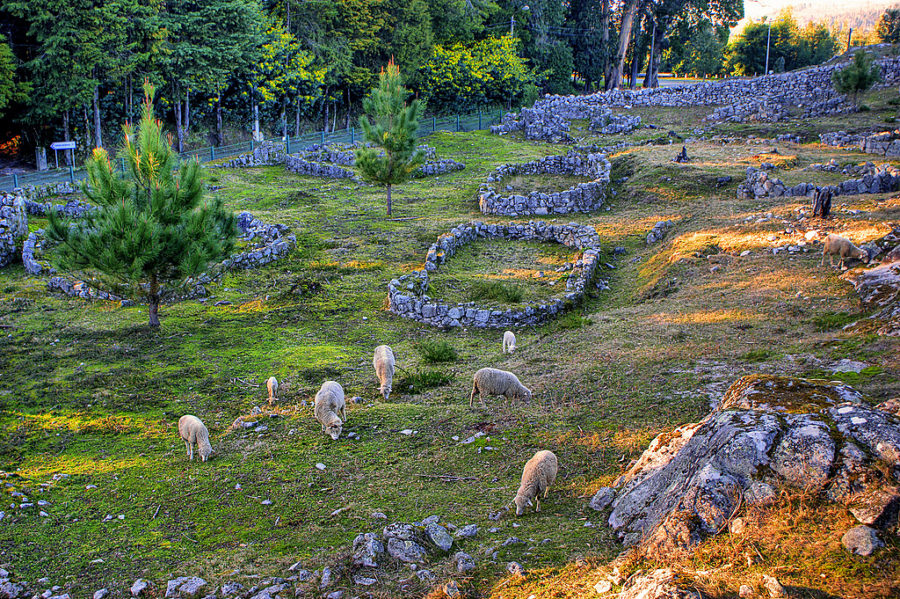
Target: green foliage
x,y
759,355
499,291
858,76
463,77
697,48
888,27
285,72
827,322
11,89
813,44
420,380
152,229
433,352
392,157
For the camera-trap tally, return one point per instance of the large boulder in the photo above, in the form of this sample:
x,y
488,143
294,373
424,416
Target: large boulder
x,y
768,433
879,289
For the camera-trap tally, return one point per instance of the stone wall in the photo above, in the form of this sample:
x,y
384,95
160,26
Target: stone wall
x,y
298,165
71,209
408,295
268,153
13,226
885,143
536,124
607,123
585,197
760,184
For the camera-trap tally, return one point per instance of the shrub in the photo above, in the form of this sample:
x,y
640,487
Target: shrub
x,y
858,76
508,293
420,380
436,351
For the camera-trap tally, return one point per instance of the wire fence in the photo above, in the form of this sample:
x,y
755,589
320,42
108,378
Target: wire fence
x,y
468,122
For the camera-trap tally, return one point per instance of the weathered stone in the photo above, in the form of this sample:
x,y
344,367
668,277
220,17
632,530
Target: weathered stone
x,y
515,568
861,540
659,584
140,586
464,562
438,535
185,586
467,532
406,551
602,498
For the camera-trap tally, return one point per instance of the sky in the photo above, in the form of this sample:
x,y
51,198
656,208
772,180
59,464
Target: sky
x,y
818,9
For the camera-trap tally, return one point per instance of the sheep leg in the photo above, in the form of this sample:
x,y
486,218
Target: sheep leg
x,y
191,451
472,396
187,448
822,263
344,413
537,503
546,492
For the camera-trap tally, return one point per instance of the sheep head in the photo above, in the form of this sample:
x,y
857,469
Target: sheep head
x,y
525,393
333,428
206,450
521,503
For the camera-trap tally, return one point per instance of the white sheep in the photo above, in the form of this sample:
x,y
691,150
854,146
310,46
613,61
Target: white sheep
x,y
384,369
272,386
491,381
330,403
509,342
835,245
539,473
192,431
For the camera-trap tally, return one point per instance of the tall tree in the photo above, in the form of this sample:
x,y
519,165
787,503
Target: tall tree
x,y
857,77
590,50
152,229
888,27
614,78
392,156
12,89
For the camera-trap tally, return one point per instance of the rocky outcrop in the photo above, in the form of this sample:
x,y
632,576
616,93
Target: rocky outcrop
x,y
584,197
13,227
884,143
879,289
408,295
768,433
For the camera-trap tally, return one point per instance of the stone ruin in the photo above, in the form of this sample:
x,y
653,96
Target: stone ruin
x,y
584,197
13,227
605,122
408,295
885,143
768,433
874,179
328,160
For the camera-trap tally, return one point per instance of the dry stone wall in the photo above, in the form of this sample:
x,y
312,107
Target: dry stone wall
x,y
408,295
13,227
885,143
585,197
875,179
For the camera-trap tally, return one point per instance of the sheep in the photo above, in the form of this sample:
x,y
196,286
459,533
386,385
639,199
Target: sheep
x,y
193,431
490,381
539,473
330,403
509,342
384,369
835,245
272,386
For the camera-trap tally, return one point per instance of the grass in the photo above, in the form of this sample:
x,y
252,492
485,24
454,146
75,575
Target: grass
x,y
496,291
88,391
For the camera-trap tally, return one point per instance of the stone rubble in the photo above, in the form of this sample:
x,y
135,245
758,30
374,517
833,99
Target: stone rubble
x,y
760,184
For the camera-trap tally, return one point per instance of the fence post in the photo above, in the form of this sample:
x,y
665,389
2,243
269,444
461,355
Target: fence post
x,y
212,153
15,181
457,122
433,124
71,174
251,145
479,119
352,136
323,137
287,144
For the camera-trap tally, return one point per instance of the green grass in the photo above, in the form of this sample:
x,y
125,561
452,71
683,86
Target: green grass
x,y
497,291
89,391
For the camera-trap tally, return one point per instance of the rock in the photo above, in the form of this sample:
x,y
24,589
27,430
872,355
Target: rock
x,y
406,551
467,532
335,595
879,289
602,587
438,535
464,562
791,432
451,590
140,586
101,593
515,568
659,584
512,541
425,575
771,584
658,232
364,580
746,592
433,519
366,549
325,580
185,586
737,526
877,507
399,530
229,589
601,499
10,590
861,540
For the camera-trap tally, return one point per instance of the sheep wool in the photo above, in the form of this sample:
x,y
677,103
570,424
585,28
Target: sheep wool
x,y
509,342
193,432
539,473
330,403
384,369
272,386
835,245
491,381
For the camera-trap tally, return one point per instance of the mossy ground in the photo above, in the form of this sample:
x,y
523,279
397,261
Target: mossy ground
x,y
88,391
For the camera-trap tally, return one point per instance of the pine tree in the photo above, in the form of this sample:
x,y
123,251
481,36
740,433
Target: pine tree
x,y
392,156
152,230
858,76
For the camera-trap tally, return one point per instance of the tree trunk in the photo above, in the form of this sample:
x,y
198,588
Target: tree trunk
x,y
179,128
297,120
220,135
659,32
389,199
87,131
98,137
287,19
284,132
153,301
326,116
187,111
624,40
68,155
604,26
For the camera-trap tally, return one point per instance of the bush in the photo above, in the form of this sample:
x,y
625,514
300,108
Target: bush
x,y
858,76
436,351
421,380
508,293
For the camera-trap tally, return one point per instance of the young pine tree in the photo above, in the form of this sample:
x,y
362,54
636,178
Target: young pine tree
x,y
152,229
857,77
392,157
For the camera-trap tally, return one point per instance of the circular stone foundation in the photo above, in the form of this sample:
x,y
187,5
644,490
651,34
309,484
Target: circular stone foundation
x,y
408,295
584,197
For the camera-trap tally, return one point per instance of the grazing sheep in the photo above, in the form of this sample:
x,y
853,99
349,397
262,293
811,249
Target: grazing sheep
x,y
192,431
384,369
835,245
490,381
330,403
272,386
539,473
509,342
